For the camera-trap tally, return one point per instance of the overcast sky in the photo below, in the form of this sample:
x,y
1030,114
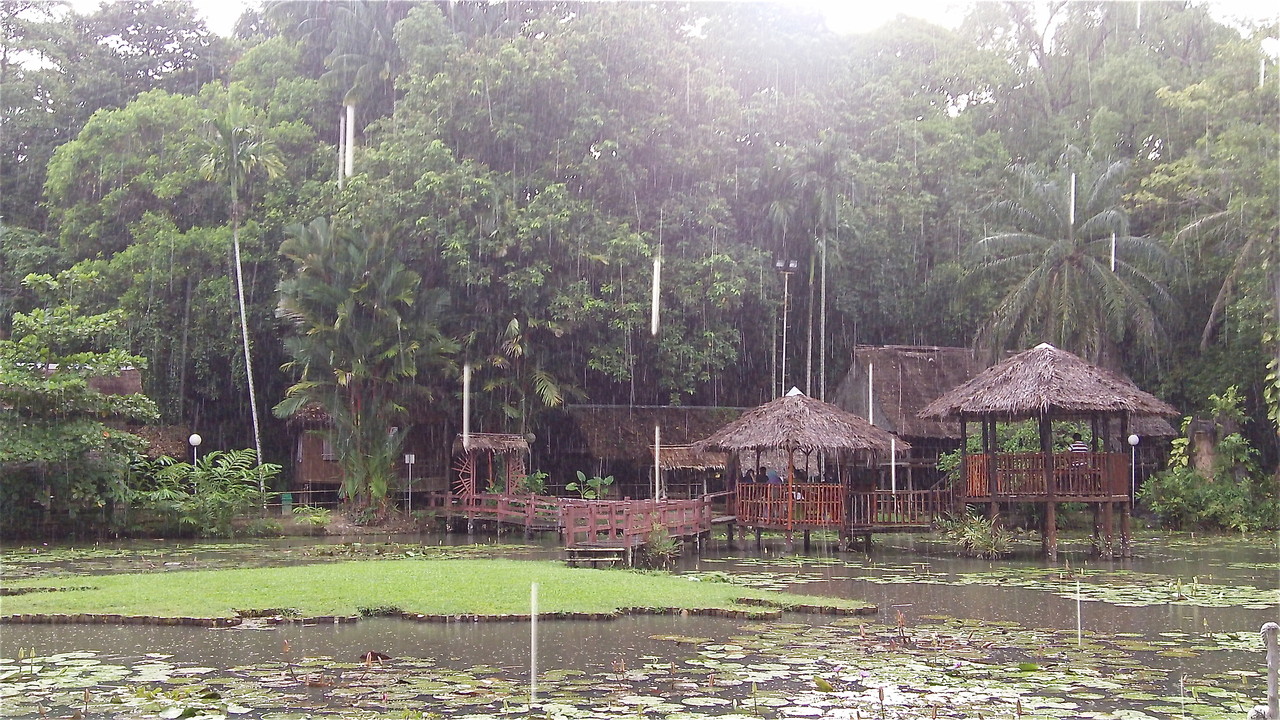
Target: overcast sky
x,y
843,16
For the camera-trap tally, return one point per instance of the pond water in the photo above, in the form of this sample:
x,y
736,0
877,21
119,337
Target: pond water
x,y
1170,633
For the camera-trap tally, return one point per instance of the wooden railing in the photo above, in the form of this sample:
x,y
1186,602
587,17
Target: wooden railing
x,y
531,511
628,523
1075,474
807,505
905,508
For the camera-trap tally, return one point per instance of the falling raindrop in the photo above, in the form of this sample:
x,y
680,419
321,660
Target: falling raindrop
x,y
657,283
466,406
533,644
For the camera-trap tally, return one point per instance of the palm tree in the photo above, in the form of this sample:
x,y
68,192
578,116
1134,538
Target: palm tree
x,y
1055,265
522,376
235,152
364,328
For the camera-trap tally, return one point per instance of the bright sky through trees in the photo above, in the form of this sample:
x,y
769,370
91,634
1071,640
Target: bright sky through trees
x,y
842,16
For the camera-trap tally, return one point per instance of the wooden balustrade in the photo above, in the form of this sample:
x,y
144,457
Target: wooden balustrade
x,y
807,505
1022,475
905,508
628,523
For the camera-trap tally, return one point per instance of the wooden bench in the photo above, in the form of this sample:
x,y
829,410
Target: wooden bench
x,y
595,555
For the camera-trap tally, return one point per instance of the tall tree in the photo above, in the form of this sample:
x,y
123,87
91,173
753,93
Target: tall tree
x,y
1056,260
61,452
234,153
364,329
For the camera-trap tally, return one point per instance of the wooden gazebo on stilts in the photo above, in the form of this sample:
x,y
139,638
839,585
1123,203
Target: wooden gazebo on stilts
x,y
1046,384
797,425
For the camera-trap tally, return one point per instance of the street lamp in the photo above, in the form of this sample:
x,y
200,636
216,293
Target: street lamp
x,y
1133,469
786,267
194,441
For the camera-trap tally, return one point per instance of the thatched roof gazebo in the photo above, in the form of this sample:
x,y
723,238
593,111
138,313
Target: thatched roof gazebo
x,y
1047,384
1046,381
798,423
794,424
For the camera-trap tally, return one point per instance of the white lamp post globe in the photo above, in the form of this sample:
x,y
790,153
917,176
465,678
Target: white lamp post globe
x,y
1133,440
194,441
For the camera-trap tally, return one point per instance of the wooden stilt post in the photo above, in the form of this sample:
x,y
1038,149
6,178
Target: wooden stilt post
x,y
1097,528
1051,491
1126,541
1108,521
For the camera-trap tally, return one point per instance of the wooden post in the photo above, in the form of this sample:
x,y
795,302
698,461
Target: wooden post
x,y
1126,542
1109,524
1051,506
989,466
1097,527
1271,638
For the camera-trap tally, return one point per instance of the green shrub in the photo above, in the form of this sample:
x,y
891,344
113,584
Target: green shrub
x,y
976,536
204,497
315,516
660,549
1235,495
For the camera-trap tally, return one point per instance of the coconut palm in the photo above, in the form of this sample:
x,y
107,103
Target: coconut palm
x,y
364,328
235,152
1054,265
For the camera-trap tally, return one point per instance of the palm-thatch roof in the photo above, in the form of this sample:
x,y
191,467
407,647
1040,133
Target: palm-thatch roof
x,y
499,443
889,385
796,422
1046,381
685,457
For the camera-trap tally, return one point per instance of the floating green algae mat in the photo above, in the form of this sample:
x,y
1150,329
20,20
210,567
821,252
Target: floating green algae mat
x,y
430,587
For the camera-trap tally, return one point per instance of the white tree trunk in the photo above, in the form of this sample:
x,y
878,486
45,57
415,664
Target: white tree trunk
x,y
349,161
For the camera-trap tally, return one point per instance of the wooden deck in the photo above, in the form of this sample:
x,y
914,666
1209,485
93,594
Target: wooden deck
x,y
1022,477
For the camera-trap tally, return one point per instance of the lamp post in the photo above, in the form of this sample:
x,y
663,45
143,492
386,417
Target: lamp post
x,y
194,441
1133,469
786,267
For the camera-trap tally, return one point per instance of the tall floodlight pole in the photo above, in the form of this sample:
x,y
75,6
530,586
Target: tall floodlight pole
x,y
786,267
1133,469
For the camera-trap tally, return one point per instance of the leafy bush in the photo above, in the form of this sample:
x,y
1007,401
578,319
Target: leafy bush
x,y
976,536
206,496
590,488
534,483
315,516
1235,495
660,549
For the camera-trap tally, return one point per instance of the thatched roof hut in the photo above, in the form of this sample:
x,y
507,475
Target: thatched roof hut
x,y
797,422
1045,381
889,385
499,443
685,457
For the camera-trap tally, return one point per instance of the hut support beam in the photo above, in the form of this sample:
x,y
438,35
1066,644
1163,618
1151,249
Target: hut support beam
x,y
1051,507
1108,521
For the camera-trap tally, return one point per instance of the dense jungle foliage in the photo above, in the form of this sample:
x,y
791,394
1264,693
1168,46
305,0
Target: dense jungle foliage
x,y
1099,175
